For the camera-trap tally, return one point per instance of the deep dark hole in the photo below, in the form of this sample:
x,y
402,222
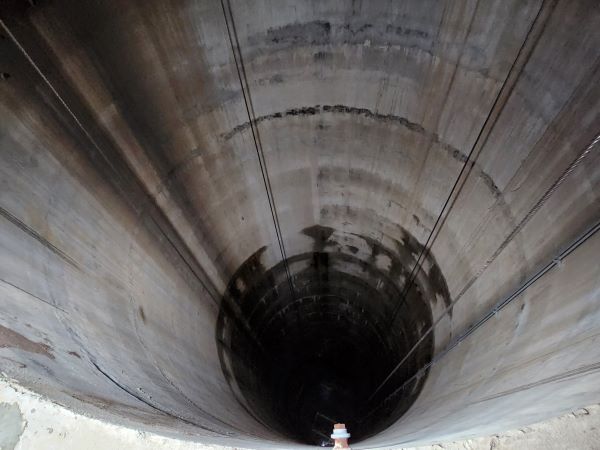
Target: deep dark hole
x,y
307,359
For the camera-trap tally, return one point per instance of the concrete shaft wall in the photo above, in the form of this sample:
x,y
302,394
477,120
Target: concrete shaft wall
x,y
131,193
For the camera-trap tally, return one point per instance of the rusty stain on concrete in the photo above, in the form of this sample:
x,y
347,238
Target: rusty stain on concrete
x,y
12,339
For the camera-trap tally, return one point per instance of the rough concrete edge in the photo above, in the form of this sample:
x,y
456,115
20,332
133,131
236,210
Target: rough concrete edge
x,y
535,436
544,435
23,394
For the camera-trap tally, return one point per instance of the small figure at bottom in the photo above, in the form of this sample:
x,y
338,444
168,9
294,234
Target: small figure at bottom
x,y
340,436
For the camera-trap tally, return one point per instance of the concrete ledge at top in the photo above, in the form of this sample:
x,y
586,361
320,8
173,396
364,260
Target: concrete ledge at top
x,y
28,421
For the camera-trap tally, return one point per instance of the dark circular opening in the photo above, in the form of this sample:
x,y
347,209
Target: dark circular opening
x,y
301,359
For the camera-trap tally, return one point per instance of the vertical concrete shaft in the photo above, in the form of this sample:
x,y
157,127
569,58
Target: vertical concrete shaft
x,y
141,277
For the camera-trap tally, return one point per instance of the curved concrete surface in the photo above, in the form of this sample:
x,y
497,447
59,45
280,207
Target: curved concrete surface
x,y
35,422
231,221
